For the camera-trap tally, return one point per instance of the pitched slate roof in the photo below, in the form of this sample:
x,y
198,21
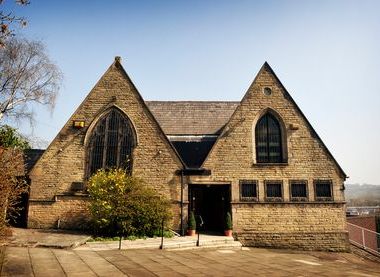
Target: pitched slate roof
x,y
192,117
31,156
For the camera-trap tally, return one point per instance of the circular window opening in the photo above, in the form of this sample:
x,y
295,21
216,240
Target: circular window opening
x,y
267,91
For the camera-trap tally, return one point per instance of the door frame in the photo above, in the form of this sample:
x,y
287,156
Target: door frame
x,y
224,185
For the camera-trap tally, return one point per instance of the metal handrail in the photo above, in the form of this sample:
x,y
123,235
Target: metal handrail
x,y
200,224
363,240
162,234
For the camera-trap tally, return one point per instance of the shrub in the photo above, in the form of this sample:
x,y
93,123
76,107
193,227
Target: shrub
x,y
192,223
11,138
228,223
12,184
123,205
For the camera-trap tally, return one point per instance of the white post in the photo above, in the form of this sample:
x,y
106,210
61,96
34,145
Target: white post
x,y
363,238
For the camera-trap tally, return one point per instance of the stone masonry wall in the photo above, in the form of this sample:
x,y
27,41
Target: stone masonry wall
x,y
64,162
65,213
233,158
311,226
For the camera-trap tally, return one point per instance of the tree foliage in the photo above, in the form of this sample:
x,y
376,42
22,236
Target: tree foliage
x,y
12,183
9,137
27,76
123,205
8,20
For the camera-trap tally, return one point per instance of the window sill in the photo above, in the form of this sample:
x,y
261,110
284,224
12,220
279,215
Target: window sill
x,y
324,199
274,199
299,199
71,194
289,202
271,164
249,199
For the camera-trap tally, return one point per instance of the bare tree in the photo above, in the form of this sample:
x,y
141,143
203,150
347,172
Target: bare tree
x,y
27,76
8,19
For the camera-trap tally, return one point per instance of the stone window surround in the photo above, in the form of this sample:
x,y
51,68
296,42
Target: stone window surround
x,y
249,199
284,137
274,199
323,199
263,199
100,115
298,199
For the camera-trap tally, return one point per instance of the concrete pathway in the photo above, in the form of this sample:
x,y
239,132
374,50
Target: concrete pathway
x,y
203,262
65,239
46,238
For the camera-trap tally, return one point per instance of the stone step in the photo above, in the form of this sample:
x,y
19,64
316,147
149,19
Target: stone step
x,y
219,245
169,244
205,241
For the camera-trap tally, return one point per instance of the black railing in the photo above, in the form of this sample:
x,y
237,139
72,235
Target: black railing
x,y
162,234
199,226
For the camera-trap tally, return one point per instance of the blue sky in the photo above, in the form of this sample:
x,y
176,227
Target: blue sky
x,y
326,53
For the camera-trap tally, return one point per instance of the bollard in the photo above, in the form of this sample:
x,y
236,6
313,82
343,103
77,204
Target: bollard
x,y
162,235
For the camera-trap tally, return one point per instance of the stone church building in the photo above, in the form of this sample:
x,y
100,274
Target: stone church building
x,y
258,158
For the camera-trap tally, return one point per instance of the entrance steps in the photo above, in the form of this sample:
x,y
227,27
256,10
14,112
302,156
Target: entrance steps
x,y
175,243
205,241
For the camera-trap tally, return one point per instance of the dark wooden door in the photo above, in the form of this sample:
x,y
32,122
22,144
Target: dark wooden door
x,y
211,202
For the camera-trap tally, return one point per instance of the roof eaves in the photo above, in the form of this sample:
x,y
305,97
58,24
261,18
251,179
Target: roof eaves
x,y
266,65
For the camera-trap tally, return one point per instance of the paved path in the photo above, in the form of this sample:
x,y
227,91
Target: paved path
x,y
19,261
46,238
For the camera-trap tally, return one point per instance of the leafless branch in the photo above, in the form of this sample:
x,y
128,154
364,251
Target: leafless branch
x,y
27,76
7,21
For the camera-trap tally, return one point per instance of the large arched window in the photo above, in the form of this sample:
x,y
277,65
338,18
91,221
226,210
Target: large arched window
x,y
268,140
111,142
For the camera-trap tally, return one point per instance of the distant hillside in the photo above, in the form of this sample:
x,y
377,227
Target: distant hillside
x,y
362,195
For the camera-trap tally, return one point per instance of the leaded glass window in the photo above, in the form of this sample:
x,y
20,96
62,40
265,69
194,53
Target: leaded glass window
x,y
298,190
323,190
268,140
111,142
273,191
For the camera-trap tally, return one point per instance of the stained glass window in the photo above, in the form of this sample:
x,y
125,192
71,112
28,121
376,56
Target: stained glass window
x,y
111,142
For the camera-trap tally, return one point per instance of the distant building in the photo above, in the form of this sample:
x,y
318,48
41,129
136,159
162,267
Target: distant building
x,y
258,158
365,210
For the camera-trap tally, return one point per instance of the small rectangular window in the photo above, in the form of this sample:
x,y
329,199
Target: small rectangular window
x,y
323,190
248,190
273,190
298,190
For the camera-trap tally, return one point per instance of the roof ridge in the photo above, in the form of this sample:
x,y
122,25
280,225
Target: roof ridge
x,y
191,101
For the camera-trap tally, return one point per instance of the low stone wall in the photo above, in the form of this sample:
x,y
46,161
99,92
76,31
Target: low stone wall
x,y
69,212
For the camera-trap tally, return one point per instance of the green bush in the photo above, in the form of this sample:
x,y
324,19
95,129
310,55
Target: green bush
x,y
192,223
123,205
228,223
